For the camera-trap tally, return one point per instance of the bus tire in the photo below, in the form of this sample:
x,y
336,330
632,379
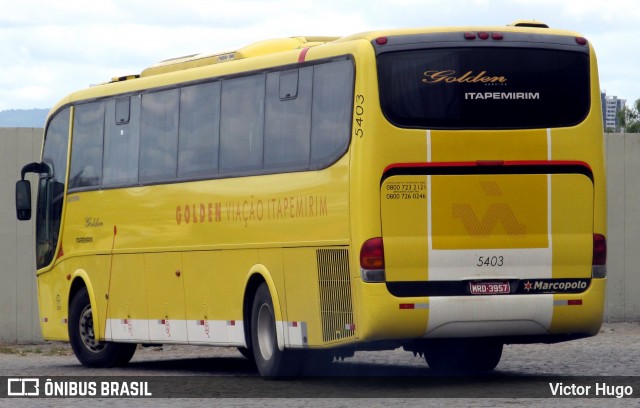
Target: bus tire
x,y
270,360
246,353
463,355
88,349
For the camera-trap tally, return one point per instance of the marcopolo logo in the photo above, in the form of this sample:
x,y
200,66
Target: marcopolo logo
x,y
555,285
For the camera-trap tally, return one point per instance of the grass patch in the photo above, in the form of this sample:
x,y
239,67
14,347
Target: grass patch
x,y
58,351
47,349
7,349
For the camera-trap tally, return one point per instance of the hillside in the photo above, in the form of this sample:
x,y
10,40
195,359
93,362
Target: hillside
x,y
31,118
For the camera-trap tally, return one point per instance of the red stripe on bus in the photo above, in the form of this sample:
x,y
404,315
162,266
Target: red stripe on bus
x,y
303,55
488,163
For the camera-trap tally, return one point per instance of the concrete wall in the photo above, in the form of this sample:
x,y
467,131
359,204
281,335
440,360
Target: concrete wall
x,y
623,196
18,297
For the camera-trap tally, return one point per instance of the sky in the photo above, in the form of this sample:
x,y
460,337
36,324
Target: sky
x,y
49,49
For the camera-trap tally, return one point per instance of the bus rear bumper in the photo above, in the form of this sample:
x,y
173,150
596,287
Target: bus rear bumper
x,y
515,318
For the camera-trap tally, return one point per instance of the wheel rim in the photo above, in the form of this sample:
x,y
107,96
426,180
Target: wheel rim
x,y
265,332
87,333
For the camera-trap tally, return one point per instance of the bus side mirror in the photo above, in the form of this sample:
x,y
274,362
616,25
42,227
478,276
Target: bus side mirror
x,y
23,200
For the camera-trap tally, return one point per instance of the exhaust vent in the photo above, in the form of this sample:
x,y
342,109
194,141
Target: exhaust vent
x,y
336,308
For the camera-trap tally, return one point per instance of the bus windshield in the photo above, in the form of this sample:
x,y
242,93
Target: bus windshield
x,y
484,87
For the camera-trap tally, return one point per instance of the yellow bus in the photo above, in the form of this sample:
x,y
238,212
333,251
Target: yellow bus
x,y
440,190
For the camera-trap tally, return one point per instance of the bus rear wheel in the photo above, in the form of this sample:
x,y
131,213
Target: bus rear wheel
x,y
270,360
88,349
463,355
246,353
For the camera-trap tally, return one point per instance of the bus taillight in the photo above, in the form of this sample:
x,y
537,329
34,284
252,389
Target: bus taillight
x,y
599,264
372,260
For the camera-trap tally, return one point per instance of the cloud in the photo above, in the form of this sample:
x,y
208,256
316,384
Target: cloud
x,y
59,47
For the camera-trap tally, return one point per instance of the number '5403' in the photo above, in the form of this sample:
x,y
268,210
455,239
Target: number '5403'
x,y
490,261
359,116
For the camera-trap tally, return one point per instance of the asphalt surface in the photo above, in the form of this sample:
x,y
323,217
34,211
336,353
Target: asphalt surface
x,y
524,377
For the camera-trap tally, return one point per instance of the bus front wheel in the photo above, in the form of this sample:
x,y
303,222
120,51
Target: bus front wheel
x,y
88,349
270,360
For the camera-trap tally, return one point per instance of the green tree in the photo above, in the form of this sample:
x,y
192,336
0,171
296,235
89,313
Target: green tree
x,y
629,118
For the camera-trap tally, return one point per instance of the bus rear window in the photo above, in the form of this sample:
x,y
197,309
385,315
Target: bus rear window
x,y
484,88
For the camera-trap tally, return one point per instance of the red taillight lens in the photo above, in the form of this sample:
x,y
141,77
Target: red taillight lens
x,y
497,36
469,35
382,40
483,35
599,263
599,249
372,254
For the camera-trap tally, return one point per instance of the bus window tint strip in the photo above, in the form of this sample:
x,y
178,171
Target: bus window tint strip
x,y
121,146
484,88
224,128
88,130
287,136
242,124
159,135
199,132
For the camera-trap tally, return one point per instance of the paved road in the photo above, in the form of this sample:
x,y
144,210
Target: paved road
x,y
613,356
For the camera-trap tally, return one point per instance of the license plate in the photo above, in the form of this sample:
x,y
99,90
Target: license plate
x,y
489,288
